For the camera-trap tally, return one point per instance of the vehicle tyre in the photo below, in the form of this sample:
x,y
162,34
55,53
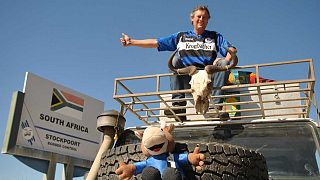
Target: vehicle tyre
x,y
223,161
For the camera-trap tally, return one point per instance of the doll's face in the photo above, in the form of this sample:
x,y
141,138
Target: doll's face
x,y
154,141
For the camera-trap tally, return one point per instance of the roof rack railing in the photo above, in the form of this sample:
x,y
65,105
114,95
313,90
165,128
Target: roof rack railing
x,y
257,100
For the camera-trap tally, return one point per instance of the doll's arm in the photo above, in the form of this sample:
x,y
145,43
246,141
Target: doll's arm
x,y
125,171
196,158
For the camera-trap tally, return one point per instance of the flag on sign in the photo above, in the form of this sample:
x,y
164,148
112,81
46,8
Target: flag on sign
x,y
67,104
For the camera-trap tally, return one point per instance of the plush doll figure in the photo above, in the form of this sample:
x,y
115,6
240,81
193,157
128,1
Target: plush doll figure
x,y
156,144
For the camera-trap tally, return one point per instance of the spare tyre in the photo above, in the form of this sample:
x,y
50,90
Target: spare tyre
x,y
223,161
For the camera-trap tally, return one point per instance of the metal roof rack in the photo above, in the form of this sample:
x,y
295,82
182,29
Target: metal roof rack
x,y
148,96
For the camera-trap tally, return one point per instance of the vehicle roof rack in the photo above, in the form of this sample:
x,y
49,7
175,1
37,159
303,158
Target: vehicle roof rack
x,y
148,96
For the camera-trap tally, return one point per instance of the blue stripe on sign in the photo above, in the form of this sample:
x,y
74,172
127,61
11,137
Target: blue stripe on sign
x,y
65,134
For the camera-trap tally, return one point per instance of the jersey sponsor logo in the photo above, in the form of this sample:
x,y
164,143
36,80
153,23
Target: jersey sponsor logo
x,y
189,39
197,46
208,40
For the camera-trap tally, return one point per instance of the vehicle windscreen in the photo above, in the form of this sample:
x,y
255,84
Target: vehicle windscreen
x,y
291,149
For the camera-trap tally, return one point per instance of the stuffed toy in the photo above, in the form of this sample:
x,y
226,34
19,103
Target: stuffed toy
x,y
156,144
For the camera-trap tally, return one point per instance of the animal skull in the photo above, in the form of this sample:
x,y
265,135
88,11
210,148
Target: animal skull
x,y
201,87
201,84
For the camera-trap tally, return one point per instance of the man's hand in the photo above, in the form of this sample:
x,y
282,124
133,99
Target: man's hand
x,y
125,171
125,40
196,159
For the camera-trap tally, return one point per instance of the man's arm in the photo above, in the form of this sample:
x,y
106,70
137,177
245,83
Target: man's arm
x,y
145,43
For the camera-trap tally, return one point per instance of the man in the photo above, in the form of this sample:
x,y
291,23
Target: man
x,y
198,47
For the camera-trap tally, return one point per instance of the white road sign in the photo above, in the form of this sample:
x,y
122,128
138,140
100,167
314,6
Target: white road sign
x,y
57,119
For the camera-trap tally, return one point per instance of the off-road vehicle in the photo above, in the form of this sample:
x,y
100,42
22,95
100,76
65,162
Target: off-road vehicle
x,y
269,135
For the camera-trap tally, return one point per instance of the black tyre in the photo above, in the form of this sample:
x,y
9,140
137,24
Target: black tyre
x,y
223,161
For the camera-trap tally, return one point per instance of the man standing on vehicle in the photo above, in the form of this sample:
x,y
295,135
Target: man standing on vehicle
x,y
198,47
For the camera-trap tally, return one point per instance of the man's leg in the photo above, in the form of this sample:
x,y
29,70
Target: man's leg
x,y
178,82
220,79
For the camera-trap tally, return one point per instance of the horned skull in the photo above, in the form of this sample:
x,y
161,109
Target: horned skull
x,y
201,85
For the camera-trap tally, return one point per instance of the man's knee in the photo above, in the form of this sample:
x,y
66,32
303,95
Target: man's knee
x,y
223,62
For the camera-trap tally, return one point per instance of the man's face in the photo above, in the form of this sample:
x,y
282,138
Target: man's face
x,y
200,20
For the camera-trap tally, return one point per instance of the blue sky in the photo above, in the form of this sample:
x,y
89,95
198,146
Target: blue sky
x,y
76,43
